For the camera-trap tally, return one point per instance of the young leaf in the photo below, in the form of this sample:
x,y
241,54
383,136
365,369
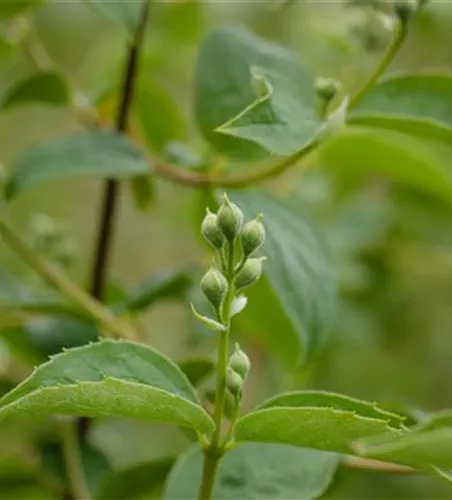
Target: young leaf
x,y
167,284
279,116
362,151
136,482
94,153
323,399
298,288
319,428
418,449
121,379
414,103
238,304
142,189
39,88
257,471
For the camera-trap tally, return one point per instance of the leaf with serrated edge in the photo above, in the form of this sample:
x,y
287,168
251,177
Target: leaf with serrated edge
x,y
324,399
319,428
109,378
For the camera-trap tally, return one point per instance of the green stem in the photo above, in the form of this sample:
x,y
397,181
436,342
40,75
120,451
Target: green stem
x,y
73,461
392,50
215,450
64,285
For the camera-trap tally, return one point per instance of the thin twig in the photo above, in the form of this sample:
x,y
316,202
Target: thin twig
x,y
111,192
388,57
73,460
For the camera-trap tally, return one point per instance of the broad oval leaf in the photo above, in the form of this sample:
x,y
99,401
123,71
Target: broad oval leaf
x,y
136,481
323,399
94,153
423,164
418,449
48,88
298,287
256,471
414,103
255,91
109,378
319,428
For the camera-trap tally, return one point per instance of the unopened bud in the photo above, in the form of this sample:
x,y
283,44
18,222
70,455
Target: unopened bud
x,y
215,286
230,219
252,236
250,272
240,362
327,88
404,9
234,382
211,231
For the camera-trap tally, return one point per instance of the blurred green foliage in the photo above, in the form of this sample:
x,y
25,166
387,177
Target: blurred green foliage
x,y
389,229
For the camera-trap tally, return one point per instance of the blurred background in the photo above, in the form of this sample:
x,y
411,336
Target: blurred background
x,y
391,244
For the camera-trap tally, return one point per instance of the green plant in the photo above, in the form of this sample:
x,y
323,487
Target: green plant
x,y
78,356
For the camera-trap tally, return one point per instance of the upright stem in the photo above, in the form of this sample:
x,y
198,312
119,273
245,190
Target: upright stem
x,y
110,199
214,452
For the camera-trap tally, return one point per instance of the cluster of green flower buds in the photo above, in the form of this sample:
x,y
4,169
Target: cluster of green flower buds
x,y
238,368
226,232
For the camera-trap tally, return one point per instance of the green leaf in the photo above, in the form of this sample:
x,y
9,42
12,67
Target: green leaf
x,y
418,449
94,153
323,399
109,379
167,284
142,188
298,287
256,471
11,8
136,481
160,118
197,369
319,428
255,91
124,14
414,103
48,88
360,151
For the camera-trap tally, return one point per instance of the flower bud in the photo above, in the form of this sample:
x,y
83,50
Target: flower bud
x,y
215,286
250,272
327,88
404,9
252,236
234,382
240,362
211,231
230,219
